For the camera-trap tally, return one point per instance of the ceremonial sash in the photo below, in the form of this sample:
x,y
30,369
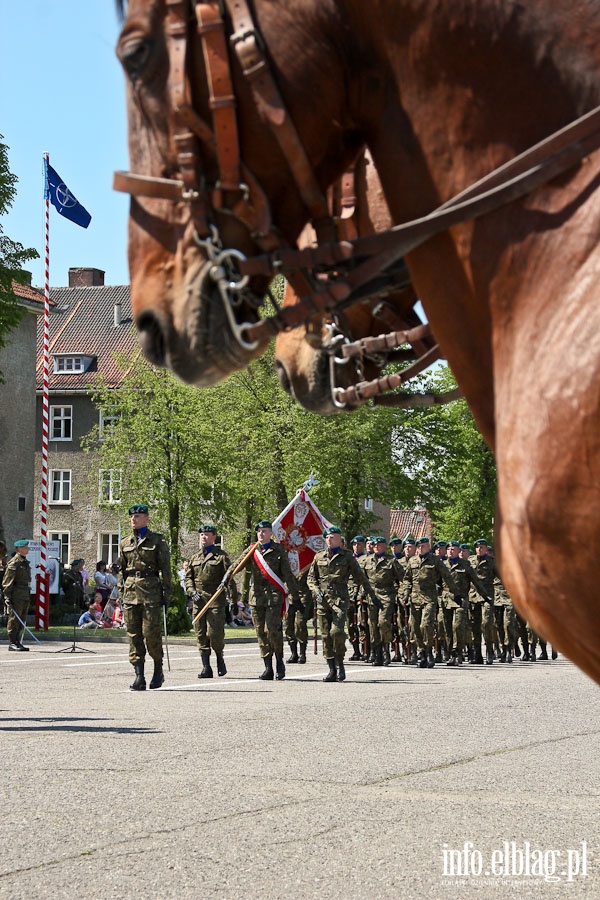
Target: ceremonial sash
x,y
273,579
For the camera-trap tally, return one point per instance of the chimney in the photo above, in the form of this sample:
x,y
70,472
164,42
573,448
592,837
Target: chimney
x,y
86,277
117,320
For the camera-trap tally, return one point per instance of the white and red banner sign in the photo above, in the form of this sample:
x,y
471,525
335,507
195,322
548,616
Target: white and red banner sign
x,y
300,529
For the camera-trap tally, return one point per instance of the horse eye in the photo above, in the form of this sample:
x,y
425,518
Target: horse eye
x,y
134,54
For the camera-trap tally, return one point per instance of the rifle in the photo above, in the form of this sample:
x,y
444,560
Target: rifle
x,y
231,571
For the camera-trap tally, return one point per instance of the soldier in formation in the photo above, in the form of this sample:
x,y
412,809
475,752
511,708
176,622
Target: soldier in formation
x,y
144,588
205,573
16,587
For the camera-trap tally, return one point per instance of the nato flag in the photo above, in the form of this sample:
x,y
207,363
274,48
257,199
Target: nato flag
x,y
63,200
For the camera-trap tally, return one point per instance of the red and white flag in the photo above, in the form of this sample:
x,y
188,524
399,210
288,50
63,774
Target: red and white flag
x,y
300,529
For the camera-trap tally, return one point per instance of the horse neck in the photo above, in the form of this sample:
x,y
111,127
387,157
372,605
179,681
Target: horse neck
x,y
476,83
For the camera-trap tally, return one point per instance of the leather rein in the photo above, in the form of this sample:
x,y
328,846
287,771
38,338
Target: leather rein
x,y
336,273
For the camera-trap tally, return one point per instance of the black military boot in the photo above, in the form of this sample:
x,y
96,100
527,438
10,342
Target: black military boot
x,y
158,677
377,656
293,657
267,675
357,654
554,653
140,682
206,672
503,655
478,657
221,667
386,654
517,652
397,657
509,656
279,668
452,661
341,672
422,660
332,674
302,654
430,659
489,654
532,655
543,651
525,656
24,649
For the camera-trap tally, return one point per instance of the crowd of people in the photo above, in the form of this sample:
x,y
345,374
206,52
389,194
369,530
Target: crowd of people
x,y
399,602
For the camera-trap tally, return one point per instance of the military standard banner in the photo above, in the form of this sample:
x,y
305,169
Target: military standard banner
x,y
300,529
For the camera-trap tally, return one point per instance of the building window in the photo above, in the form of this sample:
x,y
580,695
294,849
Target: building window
x,y
106,424
369,504
64,539
108,547
21,504
61,422
60,486
110,486
68,364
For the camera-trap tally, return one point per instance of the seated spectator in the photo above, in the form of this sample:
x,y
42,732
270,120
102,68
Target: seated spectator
x,y
117,617
88,618
108,612
243,618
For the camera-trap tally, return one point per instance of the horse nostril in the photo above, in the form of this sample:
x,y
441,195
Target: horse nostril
x,y
284,380
152,338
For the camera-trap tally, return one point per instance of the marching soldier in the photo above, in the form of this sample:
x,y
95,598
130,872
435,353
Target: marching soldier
x,y
296,621
271,575
455,606
482,611
144,587
424,573
16,586
506,624
328,578
356,607
385,575
205,572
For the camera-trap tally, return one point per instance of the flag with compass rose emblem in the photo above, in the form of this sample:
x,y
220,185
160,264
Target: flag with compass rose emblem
x,y
300,529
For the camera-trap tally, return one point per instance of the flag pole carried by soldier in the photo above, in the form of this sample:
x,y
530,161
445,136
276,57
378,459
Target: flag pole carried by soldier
x,y
144,587
16,588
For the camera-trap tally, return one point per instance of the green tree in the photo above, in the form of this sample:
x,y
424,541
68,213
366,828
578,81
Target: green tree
x,y
12,254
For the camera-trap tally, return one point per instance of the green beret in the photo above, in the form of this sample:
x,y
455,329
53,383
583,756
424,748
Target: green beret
x,y
206,528
466,547
409,540
138,508
453,544
380,539
396,540
357,538
264,523
75,562
481,541
441,544
332,529
21,544
423,540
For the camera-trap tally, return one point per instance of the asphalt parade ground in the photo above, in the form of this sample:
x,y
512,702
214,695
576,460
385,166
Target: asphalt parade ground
x,y
480,782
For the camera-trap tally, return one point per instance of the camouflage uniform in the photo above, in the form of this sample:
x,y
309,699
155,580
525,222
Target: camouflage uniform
x,y
328,579
482,611
386,576
296,627
16,588
422,581
358,612
506,622
455,609
266,601
143,562
204,575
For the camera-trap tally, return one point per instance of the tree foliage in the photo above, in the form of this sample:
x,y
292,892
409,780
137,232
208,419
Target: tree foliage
x,y
12,254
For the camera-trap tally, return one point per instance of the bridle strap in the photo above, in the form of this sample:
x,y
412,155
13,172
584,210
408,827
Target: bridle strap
x,y
248,47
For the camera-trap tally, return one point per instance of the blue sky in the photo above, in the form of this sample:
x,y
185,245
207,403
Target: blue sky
x,y
62,90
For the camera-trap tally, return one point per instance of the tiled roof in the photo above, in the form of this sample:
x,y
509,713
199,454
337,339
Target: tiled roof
x,y
31,294
410,521
82,324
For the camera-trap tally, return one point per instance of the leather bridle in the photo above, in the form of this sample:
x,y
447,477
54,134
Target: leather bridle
x,y
336,273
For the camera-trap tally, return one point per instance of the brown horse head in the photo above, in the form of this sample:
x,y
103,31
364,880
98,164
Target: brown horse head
x,y
183,254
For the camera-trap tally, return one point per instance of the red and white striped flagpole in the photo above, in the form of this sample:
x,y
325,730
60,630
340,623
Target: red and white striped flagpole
x,y
42,614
